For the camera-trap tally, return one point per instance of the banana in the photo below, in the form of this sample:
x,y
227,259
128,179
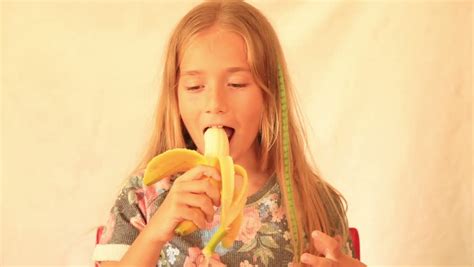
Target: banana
x,y
216,155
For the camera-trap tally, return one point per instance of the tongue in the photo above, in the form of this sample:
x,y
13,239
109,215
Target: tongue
x,y
229,131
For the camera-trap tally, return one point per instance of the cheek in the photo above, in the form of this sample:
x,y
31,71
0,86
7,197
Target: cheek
x,y
185,102
252,112
185,110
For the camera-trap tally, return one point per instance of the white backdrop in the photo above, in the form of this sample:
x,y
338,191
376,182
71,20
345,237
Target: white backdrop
x,y
386,89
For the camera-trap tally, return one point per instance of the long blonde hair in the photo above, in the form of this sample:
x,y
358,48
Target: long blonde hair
x,y
324,206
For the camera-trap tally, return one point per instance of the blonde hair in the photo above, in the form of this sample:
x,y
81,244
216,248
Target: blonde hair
x,y
324,206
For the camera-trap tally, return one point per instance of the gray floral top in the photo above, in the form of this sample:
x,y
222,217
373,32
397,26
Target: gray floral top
x,y
263,240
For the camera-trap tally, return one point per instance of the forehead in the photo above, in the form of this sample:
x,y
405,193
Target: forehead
x,y
215,49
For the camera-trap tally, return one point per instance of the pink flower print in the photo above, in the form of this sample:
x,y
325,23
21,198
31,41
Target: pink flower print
x,y
145,197
273,206
196,259
108,230
273,197
250,225
141,203
278,214
138,222
164,184
151,192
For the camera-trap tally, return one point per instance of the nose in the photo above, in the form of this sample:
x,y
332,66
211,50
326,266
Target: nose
x,y
216,100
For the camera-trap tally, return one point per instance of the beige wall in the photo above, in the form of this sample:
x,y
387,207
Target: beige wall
x,y
386,89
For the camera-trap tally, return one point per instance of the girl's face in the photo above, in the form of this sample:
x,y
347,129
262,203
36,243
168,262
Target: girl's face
x,y
216,87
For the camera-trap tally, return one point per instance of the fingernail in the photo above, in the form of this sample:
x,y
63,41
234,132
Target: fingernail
x,y
304,258
314,234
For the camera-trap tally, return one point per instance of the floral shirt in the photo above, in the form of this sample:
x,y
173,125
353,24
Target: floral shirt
x,y
263,240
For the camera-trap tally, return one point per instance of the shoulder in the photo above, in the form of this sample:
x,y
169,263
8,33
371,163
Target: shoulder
x,y
135,193
135,183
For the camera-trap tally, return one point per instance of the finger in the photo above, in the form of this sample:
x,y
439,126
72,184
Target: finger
x,y
199,172
203,186
326,245
312,260
195,215
199,201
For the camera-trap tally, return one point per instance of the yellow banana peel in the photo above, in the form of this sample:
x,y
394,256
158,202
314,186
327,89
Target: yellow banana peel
x,y
216,155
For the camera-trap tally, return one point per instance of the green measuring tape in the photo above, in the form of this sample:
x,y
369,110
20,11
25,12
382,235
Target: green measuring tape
x,y
287,164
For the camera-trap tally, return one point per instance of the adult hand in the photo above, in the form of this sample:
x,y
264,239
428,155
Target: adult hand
x,y
330,254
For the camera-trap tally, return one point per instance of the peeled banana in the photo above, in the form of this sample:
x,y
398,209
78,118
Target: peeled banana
x,y
216,155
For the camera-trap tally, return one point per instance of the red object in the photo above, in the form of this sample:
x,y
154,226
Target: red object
x,y
100,229
352,232
98,234
355,241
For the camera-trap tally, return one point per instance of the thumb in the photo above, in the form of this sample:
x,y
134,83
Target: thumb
x,y
326,245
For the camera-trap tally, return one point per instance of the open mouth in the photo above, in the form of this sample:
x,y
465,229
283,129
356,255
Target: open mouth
x,y
228,130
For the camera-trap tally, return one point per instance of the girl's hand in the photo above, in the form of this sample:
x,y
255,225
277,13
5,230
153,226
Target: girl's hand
x,y
330,253
191,197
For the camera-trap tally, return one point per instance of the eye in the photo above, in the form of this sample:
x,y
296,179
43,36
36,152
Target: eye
x,y
238,85
194,88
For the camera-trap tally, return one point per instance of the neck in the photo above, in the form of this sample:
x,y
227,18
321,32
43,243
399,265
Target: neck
x,y
257,175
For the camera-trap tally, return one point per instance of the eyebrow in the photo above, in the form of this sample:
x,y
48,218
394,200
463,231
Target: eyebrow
x,y
228,70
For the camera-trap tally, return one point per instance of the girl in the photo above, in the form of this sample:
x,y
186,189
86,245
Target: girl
x,y
225,66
